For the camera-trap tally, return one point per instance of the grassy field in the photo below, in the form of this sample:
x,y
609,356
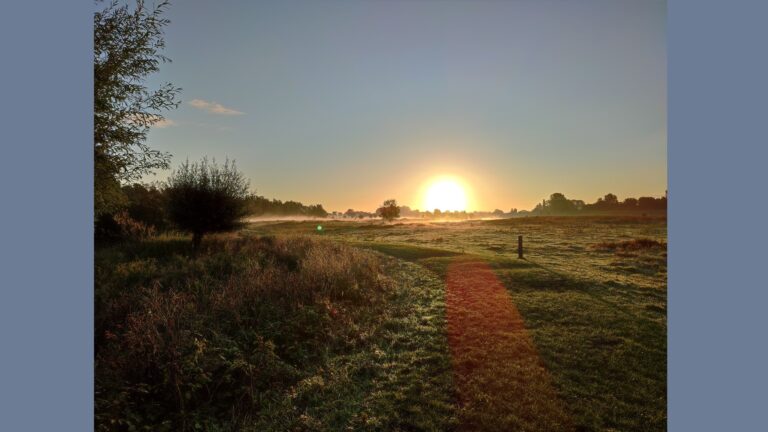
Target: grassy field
x,y
286,327
592,297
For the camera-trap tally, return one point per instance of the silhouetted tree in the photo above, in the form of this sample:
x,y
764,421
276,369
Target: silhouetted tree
x,y
258,206
389,210
559,204
127,43
204,197
316,210
629,204
611,199
146,204
650,203
406,211
608,202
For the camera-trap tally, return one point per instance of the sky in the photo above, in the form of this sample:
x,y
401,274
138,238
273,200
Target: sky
x,y
348,103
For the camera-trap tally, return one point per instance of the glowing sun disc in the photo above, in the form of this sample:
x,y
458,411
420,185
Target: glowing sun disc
x,y
446,195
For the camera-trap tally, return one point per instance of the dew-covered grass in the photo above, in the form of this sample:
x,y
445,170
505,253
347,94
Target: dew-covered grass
x,y
592,292
268,333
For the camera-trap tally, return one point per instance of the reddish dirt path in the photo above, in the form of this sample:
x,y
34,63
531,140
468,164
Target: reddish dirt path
x,y
501,381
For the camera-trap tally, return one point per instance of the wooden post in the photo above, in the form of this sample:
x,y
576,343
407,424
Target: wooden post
x,y
520,246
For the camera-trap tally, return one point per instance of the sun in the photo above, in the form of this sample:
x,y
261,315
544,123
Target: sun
x,y
446,194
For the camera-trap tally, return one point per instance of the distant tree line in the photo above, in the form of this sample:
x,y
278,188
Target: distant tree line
x,y
405,211
558,204
352,214
260,206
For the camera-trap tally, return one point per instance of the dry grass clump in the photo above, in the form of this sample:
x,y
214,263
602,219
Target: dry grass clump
x,y
183,342
637,244
121,227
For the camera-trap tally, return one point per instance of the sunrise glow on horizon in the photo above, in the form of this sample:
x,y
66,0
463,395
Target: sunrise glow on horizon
x,y
445,194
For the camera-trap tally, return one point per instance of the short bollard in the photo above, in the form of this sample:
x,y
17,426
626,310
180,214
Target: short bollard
x,y
520,247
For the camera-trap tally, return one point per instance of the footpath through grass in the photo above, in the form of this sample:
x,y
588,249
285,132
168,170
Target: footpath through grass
x,y
600,334
501,380
268,334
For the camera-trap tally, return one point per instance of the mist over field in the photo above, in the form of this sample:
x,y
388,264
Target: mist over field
x,y
277,218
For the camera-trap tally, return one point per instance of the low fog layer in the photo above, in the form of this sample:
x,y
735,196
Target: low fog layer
x,y
277,218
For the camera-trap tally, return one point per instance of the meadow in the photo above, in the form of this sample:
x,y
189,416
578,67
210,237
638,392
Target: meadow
x,y
367,326
591,292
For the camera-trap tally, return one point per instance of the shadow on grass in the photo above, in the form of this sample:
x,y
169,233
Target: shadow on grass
x,y
176,245
160,248
605,349
407,252
548,279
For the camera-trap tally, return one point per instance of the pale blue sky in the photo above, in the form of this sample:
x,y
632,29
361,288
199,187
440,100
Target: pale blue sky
x,y
347,103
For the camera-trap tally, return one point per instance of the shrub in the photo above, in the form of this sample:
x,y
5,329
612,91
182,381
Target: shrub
x,y
205,197
121,227
147,204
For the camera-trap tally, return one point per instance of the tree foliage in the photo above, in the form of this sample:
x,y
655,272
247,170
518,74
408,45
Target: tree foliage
x,y
146,204
260,206
205,197
558,204
128,42
389,210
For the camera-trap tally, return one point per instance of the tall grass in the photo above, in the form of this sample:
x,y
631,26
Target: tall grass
x,y
247,335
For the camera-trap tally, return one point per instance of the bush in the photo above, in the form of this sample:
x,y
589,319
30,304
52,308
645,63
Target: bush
x,y
121,227
147,204
204,197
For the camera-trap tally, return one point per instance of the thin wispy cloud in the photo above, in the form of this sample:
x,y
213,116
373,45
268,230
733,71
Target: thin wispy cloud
x,y
164,123
213,107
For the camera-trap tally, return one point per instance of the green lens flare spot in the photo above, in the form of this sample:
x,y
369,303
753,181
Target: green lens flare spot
x,y
319,227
